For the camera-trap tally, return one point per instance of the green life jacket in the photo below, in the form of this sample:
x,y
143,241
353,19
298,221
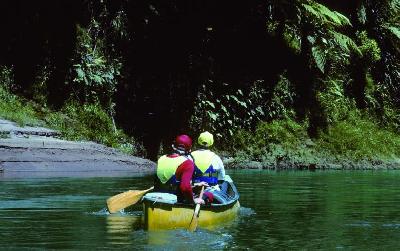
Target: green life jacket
x,y
166,167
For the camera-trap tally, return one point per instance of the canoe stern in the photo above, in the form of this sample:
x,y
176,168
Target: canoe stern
x,y
159,216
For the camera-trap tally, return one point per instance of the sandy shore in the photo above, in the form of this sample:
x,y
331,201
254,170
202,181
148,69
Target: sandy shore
x,y
38,152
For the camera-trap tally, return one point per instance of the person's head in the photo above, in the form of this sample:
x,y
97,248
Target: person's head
x,y
182,144
205,139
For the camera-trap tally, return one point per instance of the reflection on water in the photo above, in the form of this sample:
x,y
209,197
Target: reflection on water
x,y
118,224
185,240
280,211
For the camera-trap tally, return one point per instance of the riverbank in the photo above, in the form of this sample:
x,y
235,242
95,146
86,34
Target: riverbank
x,y
321,164
358,143
39,152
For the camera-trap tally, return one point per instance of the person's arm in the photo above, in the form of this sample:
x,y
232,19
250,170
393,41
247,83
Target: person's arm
x,y
185,173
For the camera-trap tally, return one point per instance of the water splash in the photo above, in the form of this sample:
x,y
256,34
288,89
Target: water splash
x,y
246,211
103,211
122,212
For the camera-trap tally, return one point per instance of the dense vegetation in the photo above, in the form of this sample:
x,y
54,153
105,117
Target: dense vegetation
x,y
299,81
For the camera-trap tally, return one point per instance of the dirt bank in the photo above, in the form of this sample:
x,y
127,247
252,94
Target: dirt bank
x,y
38,152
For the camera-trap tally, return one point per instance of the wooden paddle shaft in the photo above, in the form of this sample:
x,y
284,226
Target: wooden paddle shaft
x,y
196,211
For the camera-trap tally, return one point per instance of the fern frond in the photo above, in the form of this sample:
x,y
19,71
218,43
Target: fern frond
x,y
319,55
394,30
395,5
313,12
325,15
343,19
345,42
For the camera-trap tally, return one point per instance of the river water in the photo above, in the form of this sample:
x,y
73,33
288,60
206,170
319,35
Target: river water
x,y
287,210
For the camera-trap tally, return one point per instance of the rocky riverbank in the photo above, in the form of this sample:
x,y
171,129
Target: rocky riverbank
x,y
322,163
39,152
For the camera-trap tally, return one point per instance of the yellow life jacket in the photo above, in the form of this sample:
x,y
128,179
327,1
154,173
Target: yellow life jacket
x,y
166,167
203,159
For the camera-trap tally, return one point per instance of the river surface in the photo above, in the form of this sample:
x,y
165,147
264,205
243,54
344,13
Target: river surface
x,y
287,210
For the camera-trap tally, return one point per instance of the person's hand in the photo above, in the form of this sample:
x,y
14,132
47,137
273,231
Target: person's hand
x,y
198,201
199,184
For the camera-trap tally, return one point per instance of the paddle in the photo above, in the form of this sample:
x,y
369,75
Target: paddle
x,y
195,218
125,199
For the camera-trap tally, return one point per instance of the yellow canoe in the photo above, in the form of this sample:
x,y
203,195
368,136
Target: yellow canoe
x,y
160,214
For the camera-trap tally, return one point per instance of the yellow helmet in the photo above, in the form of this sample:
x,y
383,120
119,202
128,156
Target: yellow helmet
x,y
206,139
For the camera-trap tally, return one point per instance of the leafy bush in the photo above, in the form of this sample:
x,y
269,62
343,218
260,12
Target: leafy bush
x,y
13,107
273,142
227,111
91,122
354,139
224,113
333,101
360,139
369,48
96,70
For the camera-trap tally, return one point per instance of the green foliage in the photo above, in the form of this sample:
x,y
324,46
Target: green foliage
x,y
13,107
324,15
360,139
280,105
238,109
354,139
333,101
39,87
327,42
394,30
96,71
91,122
223,114
368,47
346,43
6,78
279,140
391,117
291,38
319,54
323,31
74,121
371,93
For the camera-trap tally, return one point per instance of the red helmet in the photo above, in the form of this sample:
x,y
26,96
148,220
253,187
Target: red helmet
x,y
184,142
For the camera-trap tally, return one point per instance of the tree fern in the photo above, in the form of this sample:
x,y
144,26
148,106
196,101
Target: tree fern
x,y
345,42
325,15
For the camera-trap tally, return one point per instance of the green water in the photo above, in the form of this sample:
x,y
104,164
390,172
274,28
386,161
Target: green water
x,y
338,210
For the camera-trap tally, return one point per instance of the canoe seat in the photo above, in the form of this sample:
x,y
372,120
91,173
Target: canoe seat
x,y
226,194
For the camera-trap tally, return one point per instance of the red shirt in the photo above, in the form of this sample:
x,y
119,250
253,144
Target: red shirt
x,y
184,173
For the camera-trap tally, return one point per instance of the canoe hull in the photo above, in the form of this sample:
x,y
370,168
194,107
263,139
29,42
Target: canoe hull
x,y
159,216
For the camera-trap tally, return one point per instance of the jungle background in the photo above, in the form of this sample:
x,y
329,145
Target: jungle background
x,y
284,84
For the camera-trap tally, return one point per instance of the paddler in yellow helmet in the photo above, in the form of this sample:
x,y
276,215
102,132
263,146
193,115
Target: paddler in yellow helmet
x,y
208,165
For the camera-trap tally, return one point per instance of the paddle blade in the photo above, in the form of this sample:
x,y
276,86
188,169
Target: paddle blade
x,y
125,199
